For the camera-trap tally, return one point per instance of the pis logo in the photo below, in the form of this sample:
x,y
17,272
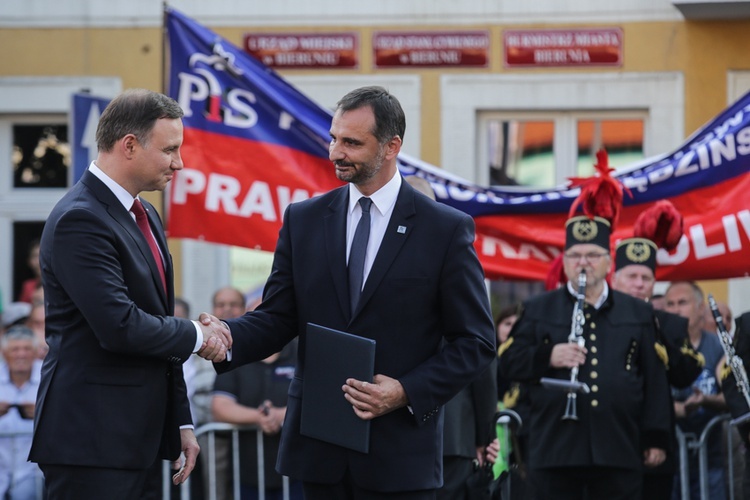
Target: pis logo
x,y
202,85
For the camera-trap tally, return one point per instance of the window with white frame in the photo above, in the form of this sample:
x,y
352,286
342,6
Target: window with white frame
x,y
528,149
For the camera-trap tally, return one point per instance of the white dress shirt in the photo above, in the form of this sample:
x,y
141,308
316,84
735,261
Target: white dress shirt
x,y
383,202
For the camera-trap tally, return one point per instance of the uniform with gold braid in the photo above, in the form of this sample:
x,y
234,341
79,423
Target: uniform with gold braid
x,y
600,454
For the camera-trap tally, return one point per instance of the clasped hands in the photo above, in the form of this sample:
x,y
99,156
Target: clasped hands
x,y
217,339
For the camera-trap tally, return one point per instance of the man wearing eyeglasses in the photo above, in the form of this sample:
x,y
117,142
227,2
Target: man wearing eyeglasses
x,y
622,423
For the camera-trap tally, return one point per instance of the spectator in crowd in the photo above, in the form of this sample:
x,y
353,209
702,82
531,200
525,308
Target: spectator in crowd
x,y
29,286
469,417
695,406
17,313
19,381
658,302
504,322
726,314
35,322
256,394
226,303
468,428
635,268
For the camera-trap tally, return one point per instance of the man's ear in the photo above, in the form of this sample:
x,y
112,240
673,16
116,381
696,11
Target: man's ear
x,y
128,144
393,147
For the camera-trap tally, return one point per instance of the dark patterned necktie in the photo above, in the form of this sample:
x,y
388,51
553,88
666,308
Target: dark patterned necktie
x,y
357,254
142,220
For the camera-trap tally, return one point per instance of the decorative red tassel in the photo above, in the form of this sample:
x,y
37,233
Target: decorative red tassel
x,y
601,195
556,274
661,223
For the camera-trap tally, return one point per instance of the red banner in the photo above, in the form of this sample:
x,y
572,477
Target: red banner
x,y
253,144
715,243
553,47
433,49
309,50
217,200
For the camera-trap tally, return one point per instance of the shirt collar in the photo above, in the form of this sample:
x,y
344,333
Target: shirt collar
x,y
120,192
600,301
384,198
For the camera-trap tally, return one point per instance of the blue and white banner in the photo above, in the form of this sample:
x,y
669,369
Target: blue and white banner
x,y
254,144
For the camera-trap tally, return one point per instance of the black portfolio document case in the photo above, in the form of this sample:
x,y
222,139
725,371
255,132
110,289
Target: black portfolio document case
x,y
331,357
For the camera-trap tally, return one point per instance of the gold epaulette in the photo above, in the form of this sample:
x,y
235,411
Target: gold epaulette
x,y
510,398
661,351
504,346
687,351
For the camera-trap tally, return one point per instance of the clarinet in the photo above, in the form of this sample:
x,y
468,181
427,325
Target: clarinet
x,y
733,360
576,336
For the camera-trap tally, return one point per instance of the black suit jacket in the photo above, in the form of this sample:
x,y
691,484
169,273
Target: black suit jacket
x,y
112,392
735,398
426,285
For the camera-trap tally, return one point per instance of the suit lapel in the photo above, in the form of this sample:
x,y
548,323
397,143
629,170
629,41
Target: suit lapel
x,y
335,241
123,218
398,230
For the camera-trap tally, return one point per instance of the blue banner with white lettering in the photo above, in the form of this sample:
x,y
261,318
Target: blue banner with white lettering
x,y
254,144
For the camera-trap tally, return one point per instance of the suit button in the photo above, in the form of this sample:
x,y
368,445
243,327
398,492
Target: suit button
x,y
594,374
594,403
594,388
594,362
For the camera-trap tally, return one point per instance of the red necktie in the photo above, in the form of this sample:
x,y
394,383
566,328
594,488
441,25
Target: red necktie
x,y
142,221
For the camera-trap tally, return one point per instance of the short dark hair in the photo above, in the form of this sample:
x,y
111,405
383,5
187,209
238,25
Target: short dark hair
x,y
390,120
134,111
506,312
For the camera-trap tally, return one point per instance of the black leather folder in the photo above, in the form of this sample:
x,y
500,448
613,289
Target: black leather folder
x,y
331,357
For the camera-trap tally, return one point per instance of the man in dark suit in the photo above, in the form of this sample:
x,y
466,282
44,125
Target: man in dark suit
x,y
112,397
422,284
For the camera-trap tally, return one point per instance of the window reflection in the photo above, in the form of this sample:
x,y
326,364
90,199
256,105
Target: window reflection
x,y
521,153
41,156
623,140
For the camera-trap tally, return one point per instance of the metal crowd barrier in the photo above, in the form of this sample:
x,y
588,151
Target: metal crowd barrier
x,y
690,442
211,430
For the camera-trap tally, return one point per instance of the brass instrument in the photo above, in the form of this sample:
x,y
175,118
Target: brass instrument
x,y
573,386
733,360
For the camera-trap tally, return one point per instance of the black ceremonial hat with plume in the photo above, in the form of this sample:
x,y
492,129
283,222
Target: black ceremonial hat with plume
x,y
601,201
660,226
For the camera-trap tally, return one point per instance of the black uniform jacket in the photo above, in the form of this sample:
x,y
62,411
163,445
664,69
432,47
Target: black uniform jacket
x,y
735,399
623,414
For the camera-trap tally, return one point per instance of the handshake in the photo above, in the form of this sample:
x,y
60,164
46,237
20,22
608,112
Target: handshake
x,y
217,339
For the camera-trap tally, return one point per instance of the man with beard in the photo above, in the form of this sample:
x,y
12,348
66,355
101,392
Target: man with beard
x,y
379,260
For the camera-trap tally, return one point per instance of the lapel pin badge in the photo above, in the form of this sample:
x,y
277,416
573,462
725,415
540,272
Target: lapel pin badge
x,y
401,230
